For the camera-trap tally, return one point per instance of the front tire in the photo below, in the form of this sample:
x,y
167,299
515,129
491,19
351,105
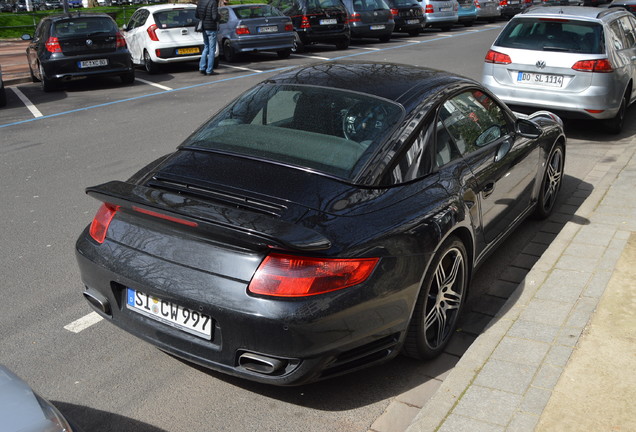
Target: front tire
x,y
439,303
551,182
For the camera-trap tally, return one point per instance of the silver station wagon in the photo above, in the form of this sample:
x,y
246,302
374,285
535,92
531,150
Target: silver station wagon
x,y
578,62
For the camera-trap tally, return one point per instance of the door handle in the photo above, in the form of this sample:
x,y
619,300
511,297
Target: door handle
x,y
488,189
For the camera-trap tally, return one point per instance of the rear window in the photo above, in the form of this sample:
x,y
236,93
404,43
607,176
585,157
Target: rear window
x,y
328,130
369,5
83,26
175,18
541,34
256,11
318,5
405,3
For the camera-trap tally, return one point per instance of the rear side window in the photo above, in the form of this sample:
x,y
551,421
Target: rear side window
x,y
175,18
84,26
543,34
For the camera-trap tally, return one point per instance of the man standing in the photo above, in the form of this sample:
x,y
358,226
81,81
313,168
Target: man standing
x,y
208,14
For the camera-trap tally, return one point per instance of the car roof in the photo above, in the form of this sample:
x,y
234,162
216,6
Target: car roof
x,y
397,82
570,12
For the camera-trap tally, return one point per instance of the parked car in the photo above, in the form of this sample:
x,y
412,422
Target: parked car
x,y
3,92
441,14
370,19
6,7
52,4
488,10
317,21
75,46
163,34
575,60
408,16
467,12
374,191
22,409
75,4
629,5
23,6
254,27
510,8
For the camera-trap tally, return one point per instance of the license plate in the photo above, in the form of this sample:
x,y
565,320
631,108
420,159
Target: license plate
x,y
169,313
413,21
377,27
268,29
92,63
540,79
445,9
328,21
182,51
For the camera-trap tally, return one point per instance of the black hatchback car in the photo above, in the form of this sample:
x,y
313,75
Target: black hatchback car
x,y
323,221
408,16
74,46
370,19
317,21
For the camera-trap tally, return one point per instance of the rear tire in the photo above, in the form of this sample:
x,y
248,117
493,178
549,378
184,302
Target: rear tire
x,y
551,182
342,44
298,46
414,32
439,303
48,85
150,66
229,55
615,125
385,38
128,78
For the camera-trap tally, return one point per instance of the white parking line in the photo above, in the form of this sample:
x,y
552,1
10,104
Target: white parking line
x,y
312,56
162,87
243,68
36,112
84,322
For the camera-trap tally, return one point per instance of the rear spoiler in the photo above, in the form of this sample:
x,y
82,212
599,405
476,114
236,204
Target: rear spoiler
x,y
248,226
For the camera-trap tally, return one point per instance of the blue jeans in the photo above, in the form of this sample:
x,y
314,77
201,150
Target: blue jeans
x,y
209,49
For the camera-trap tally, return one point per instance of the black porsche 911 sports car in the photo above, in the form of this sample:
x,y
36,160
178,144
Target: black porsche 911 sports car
x,y
325,220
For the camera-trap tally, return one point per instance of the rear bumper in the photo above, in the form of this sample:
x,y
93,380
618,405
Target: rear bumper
x,y
366,30
263,43
308,36
170,54
313,338
67,67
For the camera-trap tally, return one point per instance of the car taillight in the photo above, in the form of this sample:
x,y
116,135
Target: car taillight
x,y
101,221
121,42
395,12
304,23
497,58
152,33
242,30
294,276
355,17
601,65
53,45
477,5
289,27
503,3
429,9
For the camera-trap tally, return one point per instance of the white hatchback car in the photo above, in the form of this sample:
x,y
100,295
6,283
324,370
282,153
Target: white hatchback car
x,y
162,34
576,61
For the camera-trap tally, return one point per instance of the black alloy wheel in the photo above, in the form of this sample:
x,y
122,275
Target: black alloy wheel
x,y
551,182
439,303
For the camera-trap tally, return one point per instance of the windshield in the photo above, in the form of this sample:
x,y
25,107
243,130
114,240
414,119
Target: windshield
x,y
548,34
327,130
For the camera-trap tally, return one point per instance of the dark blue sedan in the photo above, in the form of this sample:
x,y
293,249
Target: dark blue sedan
x,y
254,27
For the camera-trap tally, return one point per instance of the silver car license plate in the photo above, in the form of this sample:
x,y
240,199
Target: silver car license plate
x,y
540,79
169,313
329,21
268,29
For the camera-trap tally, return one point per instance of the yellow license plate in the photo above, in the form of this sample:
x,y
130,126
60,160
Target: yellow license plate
x,y
188,51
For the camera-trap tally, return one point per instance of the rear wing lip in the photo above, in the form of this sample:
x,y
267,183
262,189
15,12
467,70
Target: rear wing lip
x,y
251,227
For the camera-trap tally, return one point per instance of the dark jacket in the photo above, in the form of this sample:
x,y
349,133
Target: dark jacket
x,y
208,12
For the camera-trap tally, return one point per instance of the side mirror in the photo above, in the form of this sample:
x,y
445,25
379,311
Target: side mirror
x,y
528,129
